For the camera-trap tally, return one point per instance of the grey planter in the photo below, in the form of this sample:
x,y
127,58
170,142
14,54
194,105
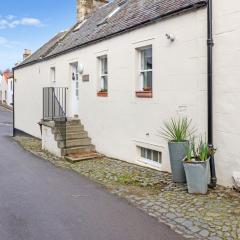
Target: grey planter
x,y
177,152
197,174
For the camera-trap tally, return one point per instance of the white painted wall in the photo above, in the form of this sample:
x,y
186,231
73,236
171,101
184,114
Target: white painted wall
x,y
227,88
4,89
1,88
10,92
121,121
6,92
48,141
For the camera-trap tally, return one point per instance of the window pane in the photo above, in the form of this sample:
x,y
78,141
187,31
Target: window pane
x,y
160,157
146,59
104,63
149,154
104,83
143,152
147,80
155,156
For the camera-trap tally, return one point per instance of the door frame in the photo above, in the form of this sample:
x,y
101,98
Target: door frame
x,y
74,89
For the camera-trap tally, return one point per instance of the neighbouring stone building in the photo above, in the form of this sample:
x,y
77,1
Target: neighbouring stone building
x,y
128,65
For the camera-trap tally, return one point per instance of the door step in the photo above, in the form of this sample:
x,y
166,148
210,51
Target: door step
x,y
78,157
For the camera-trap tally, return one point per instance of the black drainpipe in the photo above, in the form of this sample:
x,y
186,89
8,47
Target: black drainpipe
x,y
13,103
210,45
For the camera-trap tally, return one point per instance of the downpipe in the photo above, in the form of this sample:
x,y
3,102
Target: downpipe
x,y
210,45
13,99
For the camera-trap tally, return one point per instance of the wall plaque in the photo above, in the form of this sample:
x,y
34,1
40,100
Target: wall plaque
x,y
85,78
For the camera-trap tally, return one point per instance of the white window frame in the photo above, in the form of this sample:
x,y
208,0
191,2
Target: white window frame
x,y
141,71
103,76
53,74
147,161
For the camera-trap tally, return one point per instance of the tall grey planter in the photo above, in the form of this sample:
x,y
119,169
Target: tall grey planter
x,y
177,152
197,174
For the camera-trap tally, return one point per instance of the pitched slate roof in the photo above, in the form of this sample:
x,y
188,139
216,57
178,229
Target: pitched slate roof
x,y
44,50
132,14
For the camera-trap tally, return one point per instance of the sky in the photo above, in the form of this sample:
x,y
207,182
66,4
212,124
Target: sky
x,y
29,24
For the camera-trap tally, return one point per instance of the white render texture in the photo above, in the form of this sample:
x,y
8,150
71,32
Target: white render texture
x,y
48,141
226,88
118,123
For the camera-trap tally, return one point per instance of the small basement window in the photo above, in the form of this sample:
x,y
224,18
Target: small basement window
x,y
150,156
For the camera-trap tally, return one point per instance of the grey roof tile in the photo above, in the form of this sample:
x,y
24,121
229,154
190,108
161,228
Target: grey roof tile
x,y
133,14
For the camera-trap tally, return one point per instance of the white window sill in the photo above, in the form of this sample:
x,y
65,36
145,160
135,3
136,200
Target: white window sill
x,y
150,163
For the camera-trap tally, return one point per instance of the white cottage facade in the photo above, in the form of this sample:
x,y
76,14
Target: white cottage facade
x,y
125,86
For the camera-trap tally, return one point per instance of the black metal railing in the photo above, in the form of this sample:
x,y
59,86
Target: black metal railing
x,y
55,109
54,103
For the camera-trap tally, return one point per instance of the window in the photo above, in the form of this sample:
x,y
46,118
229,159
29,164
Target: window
x,y
103,76
145,80
146,69
151,155
11,85
53,74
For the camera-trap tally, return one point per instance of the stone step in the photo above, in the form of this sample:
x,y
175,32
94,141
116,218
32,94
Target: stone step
x,y
68,129
71,136
82,149
69,123
75,143
74,158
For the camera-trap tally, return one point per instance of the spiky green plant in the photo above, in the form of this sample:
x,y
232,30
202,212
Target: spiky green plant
x,y
199,152
190,150
203,150
177,130
189,153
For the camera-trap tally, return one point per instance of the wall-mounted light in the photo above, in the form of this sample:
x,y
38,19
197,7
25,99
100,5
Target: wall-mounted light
x,y
80,68
170,37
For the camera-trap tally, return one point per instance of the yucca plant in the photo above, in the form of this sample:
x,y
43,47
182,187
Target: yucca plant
x,y
177,130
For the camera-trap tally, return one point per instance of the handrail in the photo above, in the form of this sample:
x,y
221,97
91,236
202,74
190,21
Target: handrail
x,y
54,103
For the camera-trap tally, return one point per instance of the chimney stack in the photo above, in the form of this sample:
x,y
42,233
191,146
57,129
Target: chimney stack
x,y
85,7
26,53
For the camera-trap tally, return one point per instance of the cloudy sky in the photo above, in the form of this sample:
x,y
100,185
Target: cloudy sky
x,y
29,24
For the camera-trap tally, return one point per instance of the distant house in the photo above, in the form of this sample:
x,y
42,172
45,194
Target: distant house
x,y
6,88
127,66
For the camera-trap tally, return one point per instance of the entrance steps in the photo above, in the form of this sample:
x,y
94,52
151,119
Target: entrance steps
x,y
72,140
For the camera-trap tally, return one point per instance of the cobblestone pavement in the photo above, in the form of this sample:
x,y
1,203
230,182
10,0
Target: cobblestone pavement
x,y
215,216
